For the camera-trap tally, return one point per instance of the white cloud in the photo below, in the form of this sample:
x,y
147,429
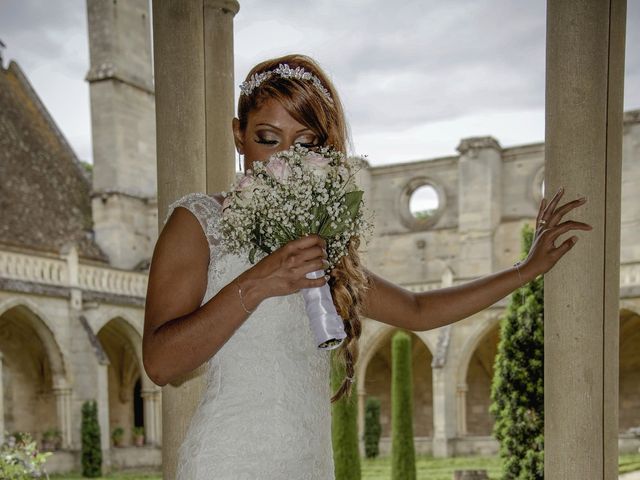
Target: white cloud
x,y
414,77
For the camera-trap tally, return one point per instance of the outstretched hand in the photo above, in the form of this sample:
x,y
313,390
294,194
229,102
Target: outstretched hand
x,y
543,254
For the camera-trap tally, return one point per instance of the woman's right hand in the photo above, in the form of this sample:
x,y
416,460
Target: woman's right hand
x,y
283,271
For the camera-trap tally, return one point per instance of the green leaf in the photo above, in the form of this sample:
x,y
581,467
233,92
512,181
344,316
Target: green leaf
x,y
352,201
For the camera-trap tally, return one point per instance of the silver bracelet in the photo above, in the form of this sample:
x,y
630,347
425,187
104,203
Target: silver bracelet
x,y
240,295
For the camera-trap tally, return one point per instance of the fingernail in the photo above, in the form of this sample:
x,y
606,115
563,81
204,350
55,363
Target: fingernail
x,y
561,189
327,277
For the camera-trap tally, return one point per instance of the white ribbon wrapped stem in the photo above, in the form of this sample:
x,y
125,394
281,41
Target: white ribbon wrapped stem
x,y
326,324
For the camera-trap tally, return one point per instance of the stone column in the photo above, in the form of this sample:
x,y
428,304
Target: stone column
x,y
461,408
1,401
152,414
362,399
102,388
480,194
63,409
583,141
444,411
193,62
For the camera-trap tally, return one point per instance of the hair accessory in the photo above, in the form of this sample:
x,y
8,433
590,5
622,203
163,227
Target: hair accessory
x,y
284,71
350,379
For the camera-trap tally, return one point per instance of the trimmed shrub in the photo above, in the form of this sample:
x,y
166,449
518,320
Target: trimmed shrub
x,y
517,389
372,427
91,450
344,426
403,456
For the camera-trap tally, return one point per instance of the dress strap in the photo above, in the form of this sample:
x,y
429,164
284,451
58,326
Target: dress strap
x,y
205,208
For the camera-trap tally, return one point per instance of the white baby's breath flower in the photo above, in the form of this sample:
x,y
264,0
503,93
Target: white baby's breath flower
x,y
297,192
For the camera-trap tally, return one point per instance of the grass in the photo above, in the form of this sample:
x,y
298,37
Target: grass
x,y
431,468
628,462
428,468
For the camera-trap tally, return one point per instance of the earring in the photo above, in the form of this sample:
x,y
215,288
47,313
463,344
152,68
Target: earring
x,y
240,161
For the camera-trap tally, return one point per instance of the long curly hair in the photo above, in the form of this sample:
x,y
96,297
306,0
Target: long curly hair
x,y
306,104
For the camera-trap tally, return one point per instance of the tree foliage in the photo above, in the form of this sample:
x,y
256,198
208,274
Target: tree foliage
x,y
344,426
91,449
403,457
517,392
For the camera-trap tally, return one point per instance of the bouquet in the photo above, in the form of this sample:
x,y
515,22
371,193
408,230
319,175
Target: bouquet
x,y
298,192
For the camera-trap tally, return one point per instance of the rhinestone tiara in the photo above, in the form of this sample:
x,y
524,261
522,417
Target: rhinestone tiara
x,y
285,71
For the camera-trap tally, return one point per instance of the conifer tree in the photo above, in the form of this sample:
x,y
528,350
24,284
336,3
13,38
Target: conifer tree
x,y
517,393
372,427
403,461
91,449
344,426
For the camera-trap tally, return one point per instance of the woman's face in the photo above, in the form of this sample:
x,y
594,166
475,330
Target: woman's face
x,y
270,129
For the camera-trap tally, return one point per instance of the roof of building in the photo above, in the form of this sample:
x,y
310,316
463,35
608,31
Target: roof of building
x,y
45,201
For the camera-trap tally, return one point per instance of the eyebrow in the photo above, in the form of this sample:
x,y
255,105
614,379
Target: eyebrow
x,y
279,129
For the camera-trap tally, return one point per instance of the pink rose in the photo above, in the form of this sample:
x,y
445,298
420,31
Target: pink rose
x,y
245,182
279,169
319,164
316,160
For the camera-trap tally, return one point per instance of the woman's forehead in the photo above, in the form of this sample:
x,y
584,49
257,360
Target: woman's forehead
x,y
273,113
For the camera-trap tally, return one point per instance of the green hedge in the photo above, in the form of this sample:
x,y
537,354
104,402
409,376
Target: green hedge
x,y
403,461
517,389
372,427
344,426
91,451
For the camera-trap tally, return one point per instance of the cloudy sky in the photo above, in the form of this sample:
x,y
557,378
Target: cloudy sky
x,y
414,79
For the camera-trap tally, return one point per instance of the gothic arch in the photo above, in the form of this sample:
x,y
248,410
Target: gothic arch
x,y
485,325
370,346
377,381
120,324
466,393
28,311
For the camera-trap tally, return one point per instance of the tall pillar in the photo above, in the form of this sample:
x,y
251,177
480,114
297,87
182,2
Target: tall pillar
x,y
1,401
461,408
151,408
583,141
193,62
63,409
480,200
123,129
102,401
444,410
362,400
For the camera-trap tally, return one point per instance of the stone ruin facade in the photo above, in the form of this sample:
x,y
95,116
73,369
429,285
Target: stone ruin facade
x,y
75,250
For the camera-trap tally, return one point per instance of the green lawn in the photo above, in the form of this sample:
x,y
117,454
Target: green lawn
x,y
429,468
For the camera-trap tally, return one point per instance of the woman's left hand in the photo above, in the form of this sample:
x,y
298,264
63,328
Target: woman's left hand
x,y
543,254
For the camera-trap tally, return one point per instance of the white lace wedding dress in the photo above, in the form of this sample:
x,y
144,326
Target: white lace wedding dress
x,y
265,412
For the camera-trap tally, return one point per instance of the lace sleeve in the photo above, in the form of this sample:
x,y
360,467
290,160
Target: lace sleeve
x,y
205,208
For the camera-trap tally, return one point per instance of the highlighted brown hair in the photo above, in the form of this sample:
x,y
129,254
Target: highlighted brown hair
x,y
308,106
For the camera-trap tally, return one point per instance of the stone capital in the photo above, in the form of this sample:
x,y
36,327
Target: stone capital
x,y
227,6
477,143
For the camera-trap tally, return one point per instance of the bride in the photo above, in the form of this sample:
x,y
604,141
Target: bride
x,y
266,409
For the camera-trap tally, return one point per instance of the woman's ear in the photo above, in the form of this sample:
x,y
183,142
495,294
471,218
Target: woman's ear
x,y
237,135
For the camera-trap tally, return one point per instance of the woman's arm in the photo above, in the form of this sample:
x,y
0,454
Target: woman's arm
x,y
422,311
180,334
418,312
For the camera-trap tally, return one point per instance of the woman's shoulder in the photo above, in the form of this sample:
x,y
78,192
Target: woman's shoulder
x,y
202,205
